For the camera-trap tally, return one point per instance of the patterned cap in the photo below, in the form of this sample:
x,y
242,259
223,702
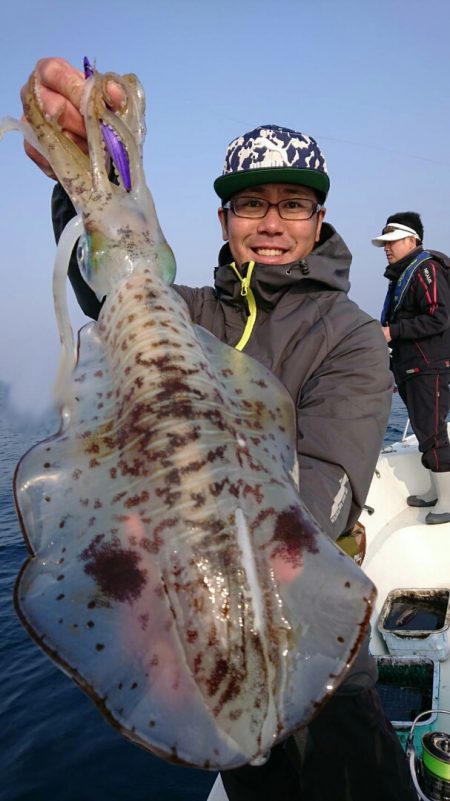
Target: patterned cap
x,y
272,154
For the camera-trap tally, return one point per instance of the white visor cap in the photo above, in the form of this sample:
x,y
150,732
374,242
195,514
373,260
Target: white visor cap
x,y
392,232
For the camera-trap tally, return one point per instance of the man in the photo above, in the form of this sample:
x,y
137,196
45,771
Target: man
x,y
416,324
280,293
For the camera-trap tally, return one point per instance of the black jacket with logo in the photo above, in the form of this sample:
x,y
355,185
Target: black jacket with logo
x,y
420,328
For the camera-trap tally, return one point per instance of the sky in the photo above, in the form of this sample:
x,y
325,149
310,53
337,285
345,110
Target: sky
x,y
370,81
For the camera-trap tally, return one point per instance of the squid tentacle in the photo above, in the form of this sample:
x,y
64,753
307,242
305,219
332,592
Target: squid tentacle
x,y
68,238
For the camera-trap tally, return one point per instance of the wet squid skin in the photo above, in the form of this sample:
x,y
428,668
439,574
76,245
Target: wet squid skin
x,y
183,435
174,572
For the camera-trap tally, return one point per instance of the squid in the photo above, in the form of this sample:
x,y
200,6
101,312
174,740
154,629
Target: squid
x,y
174,572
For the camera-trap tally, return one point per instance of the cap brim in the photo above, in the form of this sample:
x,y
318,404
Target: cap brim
x,y
228,185
392,236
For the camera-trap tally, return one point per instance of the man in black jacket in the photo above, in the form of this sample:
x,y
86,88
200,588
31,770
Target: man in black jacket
x,y
416,324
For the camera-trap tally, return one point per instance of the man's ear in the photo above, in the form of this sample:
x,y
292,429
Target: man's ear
x,y
320,219
223,219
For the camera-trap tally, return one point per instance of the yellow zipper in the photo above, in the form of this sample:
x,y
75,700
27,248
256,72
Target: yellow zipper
x,y
246,293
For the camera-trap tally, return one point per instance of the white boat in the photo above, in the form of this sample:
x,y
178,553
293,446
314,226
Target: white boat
x,y
404,554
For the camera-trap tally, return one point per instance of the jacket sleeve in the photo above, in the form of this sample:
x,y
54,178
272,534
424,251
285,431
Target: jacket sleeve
x,y
342,414
431,290
62,212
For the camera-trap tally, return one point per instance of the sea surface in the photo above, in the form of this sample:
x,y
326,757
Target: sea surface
x,y
54,744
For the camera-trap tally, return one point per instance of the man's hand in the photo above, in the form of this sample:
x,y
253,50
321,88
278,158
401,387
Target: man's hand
x,y
60,87
387,333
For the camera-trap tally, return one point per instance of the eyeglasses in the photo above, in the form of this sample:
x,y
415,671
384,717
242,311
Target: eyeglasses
x,y
255,208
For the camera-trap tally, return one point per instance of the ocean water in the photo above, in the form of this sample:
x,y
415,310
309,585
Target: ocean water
x,y
54,744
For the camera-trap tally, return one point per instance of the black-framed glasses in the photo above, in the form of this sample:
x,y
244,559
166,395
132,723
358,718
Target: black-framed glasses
x,y
255,208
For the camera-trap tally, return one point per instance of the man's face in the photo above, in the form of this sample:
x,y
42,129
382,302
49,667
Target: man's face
x,y
270,239
400,248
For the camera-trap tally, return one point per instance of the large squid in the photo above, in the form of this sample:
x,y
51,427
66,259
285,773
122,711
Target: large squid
x,y
174,572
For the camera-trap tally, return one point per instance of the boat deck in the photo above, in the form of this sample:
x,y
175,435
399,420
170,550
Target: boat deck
x,y
403,552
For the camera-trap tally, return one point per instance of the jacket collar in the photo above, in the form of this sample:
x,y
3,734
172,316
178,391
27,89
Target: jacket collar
x,y
326,267
393,271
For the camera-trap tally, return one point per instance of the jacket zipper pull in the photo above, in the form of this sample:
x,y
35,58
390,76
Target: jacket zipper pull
x,y
245,282
244,286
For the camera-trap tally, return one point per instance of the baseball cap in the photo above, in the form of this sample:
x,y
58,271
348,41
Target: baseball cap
x,y
272,154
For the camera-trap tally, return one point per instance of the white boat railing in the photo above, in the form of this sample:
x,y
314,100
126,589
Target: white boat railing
x,y
405,432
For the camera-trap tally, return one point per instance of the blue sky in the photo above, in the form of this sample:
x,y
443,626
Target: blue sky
x,y
370,81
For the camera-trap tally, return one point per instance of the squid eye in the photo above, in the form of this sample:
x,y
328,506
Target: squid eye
x,y
83,255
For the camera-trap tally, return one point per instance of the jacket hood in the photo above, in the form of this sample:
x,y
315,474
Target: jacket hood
x,y
326,267
442,258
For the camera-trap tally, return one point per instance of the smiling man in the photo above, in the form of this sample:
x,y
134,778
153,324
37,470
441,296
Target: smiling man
x,y
280,293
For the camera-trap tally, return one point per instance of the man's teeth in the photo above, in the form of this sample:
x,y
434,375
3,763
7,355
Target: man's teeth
x,y
269,252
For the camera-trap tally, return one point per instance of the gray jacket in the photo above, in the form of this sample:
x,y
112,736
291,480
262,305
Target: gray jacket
x,y
331,356
333,359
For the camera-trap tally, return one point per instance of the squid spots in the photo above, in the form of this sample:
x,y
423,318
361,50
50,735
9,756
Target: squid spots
x,y
293,535
115,570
